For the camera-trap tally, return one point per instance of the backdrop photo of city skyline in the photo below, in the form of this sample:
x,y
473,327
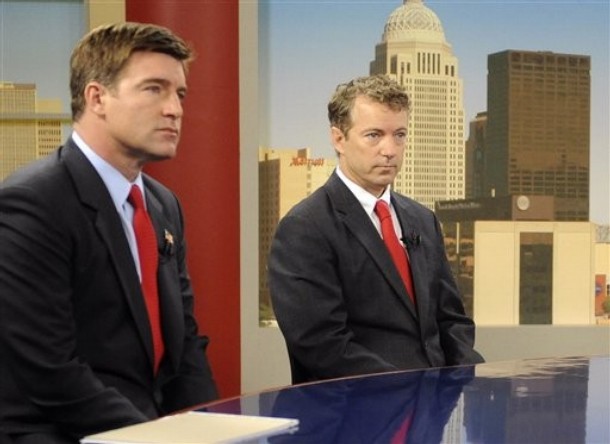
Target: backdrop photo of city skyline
x,y
307,47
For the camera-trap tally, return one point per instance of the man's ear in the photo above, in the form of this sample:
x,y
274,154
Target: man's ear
x,y
337,139
95,95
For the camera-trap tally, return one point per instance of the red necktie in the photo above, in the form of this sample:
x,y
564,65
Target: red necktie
x,y
400,436
397,251
147,251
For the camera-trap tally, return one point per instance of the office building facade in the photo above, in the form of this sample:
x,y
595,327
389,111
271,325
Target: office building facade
x,y
29,128
475,157
538,128
534,272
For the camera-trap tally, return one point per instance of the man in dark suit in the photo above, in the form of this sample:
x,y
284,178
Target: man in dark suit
x,y
339,298
76,326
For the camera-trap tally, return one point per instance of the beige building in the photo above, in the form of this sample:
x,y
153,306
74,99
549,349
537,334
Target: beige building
x,y
29,129
528,272
286,176
415,52
50,122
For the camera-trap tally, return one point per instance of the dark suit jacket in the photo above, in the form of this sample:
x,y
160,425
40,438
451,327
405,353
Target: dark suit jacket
x,y
75,342
339,299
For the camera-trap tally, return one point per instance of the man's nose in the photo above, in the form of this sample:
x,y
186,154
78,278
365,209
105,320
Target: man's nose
x,y
173,106
389,148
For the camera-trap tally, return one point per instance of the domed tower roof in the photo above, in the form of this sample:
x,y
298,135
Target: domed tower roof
x,y
413,21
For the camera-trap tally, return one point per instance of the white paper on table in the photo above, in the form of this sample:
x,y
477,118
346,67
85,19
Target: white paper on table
x,y
197,428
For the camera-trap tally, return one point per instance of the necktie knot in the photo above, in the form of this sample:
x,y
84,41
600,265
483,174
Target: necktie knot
x,y
135,198
382,210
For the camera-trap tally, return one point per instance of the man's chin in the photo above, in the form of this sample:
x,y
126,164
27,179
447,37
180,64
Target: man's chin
x,y
387,178
157,156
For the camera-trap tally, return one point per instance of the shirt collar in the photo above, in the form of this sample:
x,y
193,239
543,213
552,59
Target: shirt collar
x,y
118,186
366,199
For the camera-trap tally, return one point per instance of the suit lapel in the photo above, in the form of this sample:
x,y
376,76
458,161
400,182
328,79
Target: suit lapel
x,y
94,195
359,223
411,227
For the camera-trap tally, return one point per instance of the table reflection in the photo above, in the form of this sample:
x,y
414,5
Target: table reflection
x,y
527,401
403,407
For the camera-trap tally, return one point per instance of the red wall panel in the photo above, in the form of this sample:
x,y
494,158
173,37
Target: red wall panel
x,y
205,174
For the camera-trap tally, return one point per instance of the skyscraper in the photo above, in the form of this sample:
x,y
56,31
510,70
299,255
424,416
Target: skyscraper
x,y
475,157
538,139
414,51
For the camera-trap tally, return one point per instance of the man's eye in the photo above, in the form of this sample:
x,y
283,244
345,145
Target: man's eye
x,y
372,136
153,88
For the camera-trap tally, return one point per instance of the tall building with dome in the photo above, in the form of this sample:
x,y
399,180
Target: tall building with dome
x,y
414,51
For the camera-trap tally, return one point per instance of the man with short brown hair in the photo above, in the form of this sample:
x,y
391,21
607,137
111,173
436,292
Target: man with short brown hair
x,y
96,309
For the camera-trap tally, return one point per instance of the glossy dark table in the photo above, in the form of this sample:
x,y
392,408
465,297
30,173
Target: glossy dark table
x,y
562,400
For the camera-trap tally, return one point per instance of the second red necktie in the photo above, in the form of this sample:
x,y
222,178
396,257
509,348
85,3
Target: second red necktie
x,y
397,251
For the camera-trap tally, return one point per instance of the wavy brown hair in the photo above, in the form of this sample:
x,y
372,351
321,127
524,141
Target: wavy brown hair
x,y
380,88
102,54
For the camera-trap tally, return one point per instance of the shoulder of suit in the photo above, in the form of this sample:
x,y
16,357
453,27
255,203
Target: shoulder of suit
x,y
310,202
312,206
409,204
41,174
156,187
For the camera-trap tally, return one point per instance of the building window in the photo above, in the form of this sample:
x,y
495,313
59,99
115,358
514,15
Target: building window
x,y
536,278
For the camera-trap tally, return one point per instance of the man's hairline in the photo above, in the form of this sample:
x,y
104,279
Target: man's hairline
x,y
405,108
